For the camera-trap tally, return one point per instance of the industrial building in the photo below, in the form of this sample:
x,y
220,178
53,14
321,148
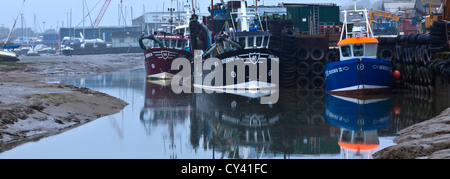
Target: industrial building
x,y
125,39
103,33
424,7
159,21
308,18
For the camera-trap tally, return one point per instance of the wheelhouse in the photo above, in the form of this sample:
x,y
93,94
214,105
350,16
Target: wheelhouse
x,y
169,41
253,39
358,47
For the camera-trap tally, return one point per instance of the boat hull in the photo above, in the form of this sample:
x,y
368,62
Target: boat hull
x,y
358,114
8,56
251,59
158,62
358,76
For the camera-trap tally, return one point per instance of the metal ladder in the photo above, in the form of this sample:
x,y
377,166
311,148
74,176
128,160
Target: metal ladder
x,y
316,18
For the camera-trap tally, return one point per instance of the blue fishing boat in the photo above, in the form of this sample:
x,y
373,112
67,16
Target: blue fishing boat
x,y
359,119
359,71
358,114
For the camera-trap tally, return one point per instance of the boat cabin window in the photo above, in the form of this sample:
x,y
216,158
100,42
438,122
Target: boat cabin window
x,y
155,44
180,43
358,50
346,51
173,43
266,41
346,136
250,42
165,42
242,40
371,49
260,41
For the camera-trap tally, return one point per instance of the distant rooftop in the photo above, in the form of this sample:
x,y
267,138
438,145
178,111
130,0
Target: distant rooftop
x,y
306,4
102,27
395,7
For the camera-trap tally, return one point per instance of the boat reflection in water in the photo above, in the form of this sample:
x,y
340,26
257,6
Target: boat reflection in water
x,y
163,107
359,120
236,126
161,103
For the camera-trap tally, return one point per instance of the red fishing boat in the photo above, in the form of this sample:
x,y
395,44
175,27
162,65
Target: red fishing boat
x,y
160,51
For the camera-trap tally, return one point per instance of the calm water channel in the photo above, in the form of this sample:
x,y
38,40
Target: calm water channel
x,y
160,124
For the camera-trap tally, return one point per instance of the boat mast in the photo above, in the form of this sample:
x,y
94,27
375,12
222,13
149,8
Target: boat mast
x,y
171,16
83,18
244,20
14,25
344,27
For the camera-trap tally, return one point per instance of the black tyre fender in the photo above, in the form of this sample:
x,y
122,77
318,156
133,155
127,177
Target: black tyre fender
x,y
319,51
317,68
440,24
290,34
387,54
303,82
303,68
318,82
303,54
332,56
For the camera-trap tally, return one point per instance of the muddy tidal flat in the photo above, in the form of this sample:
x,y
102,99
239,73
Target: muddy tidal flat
x,y
31,107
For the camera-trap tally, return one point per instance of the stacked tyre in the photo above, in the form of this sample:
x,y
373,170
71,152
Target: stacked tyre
x,y
413,54
287,54
310,68
440,65
438,35
275,30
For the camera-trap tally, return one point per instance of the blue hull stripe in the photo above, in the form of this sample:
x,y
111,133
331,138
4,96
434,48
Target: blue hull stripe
x,y
376,73
355,115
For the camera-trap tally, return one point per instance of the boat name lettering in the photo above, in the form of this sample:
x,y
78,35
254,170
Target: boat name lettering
x,y
335,116
382,67
168,37
229,60
335,70
148,55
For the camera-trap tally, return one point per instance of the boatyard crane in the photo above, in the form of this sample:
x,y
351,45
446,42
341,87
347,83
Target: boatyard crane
x,y
391,29
101,13
381,13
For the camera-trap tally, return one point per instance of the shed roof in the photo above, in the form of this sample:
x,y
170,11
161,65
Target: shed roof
x,y
433,2
394,7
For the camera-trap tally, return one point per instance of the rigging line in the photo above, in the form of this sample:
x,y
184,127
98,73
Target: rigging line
x,y
90,18
15,22
89,13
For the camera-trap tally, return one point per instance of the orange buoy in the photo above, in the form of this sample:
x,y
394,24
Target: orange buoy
x,y
396,75
397,109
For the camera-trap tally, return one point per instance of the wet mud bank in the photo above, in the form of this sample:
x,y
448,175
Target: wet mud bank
x,y
31,109
429,139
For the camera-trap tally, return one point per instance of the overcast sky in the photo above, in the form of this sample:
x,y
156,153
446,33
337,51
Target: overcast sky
x,y
55,12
